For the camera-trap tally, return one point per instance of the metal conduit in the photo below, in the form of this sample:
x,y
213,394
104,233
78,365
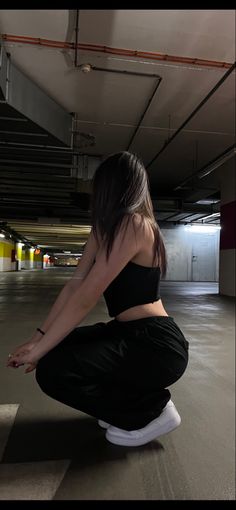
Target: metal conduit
x,y
134,73
143,114
219,83
122,71
228,151
76,37
115,51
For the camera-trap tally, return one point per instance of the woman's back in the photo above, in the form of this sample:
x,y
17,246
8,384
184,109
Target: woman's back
x,y
138,282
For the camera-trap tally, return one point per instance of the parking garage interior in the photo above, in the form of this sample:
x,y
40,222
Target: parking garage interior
x,y
76,86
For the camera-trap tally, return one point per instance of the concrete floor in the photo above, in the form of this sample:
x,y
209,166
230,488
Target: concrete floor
x,y
50,451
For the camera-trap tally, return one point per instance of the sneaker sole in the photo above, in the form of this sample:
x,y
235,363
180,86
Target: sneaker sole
x,y
103,424
165,429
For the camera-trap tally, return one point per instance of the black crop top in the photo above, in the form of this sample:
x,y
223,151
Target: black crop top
x,y
134,285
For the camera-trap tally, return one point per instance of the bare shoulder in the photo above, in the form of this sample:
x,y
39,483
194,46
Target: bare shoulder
x,y
131,229
143,227
137,221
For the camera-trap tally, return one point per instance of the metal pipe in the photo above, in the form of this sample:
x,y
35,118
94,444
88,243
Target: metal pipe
x,y
134,73
46,148
34,163
123,71
145,110
210,167
219,83
33,147
116,51
23,133
8,77
14,119
199,173
76,37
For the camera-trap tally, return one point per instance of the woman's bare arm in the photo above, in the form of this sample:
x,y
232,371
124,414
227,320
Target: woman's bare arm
x,y
71,286
83,300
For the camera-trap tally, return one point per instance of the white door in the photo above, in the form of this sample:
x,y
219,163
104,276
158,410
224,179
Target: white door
x,y
204,252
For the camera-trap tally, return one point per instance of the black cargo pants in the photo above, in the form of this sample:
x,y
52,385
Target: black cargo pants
x,y
116,371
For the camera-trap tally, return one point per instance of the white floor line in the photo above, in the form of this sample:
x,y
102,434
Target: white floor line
x,y
7,417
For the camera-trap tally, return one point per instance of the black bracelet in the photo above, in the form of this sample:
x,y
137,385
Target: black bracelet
x,y
38,329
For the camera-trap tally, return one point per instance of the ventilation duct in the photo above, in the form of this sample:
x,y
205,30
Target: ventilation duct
x,y
20,93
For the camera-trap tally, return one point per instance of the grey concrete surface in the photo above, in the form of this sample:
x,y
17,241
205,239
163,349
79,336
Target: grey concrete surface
x,y
50,451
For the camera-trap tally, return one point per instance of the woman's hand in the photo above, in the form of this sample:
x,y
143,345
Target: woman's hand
x,y
23,355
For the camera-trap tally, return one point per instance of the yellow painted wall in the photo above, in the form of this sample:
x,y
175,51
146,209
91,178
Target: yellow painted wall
x,y
5,248
18,252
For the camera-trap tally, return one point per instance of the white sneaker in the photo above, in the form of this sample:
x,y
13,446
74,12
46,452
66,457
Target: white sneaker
x,y
103,424
168,420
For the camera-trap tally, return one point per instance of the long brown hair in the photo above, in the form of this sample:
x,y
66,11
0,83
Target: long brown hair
x,y
120,188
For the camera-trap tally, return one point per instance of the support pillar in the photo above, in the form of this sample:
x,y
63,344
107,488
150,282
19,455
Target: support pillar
x,y
228,229
18,256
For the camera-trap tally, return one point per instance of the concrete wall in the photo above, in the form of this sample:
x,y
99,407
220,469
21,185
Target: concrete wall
x,y
6,248
191,256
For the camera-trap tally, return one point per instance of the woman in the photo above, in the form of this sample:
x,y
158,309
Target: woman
x,y
117,371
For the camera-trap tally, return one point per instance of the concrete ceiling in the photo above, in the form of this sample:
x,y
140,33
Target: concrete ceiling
x,y
114,106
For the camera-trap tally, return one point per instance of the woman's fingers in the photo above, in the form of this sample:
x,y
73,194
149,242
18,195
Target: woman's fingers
x,y
21,356
15,360
15,364
30,368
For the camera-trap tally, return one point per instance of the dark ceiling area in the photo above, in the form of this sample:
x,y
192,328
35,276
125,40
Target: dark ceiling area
x,y
60,111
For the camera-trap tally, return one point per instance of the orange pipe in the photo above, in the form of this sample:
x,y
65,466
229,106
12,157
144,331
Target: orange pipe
x,y
115,51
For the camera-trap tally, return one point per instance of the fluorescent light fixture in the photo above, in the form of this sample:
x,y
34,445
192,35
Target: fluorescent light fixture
x,y
62,254
203,229
210,215
208,201
2,235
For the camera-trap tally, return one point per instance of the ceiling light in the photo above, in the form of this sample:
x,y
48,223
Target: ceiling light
x,y
203,229
208,201
2,235
210,215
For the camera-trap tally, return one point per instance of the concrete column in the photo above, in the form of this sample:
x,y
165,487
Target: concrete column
x,y
18,255
228,229
6,248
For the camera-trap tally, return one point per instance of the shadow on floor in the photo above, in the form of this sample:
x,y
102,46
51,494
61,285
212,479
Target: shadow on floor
x,y
78,439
